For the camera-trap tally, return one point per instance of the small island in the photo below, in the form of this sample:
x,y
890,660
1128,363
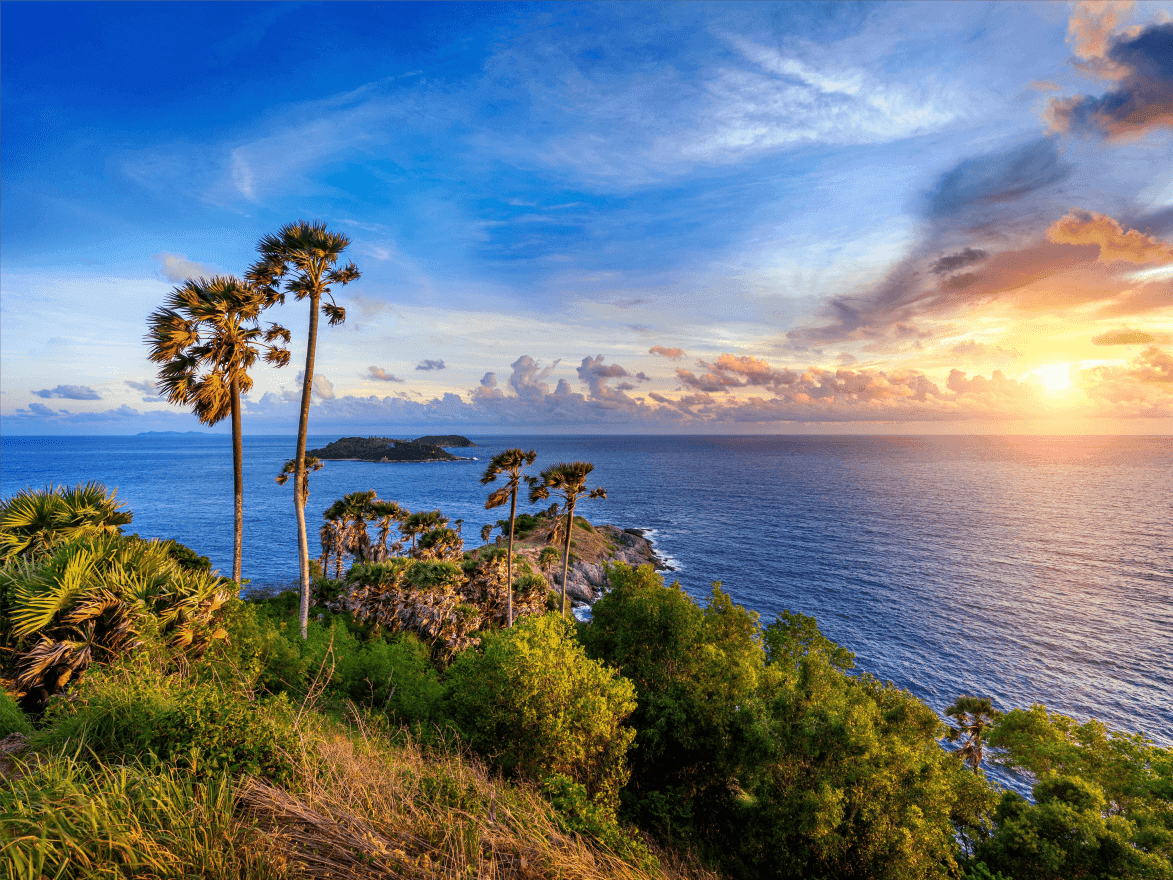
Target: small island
x,y
446,441
385,449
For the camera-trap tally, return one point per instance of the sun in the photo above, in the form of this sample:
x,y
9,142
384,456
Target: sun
x,y
1054,377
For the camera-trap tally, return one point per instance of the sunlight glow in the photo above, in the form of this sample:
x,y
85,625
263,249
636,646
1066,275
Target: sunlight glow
x,y
1055,377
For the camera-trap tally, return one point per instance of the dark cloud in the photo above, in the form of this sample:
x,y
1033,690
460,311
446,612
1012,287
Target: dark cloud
x,y
997,178
429,364
673,354
382,375
1143,98
69,392
1126,336
952,262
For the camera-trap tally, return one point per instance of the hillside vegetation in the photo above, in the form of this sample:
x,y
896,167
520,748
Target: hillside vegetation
x,y
156,725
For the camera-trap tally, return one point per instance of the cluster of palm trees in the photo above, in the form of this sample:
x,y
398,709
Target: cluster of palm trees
x,y
207,337
345,532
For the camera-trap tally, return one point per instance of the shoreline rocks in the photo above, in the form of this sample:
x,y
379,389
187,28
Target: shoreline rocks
x,y
587,581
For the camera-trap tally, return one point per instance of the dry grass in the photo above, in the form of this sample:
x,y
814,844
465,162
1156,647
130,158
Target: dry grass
x,y
373,810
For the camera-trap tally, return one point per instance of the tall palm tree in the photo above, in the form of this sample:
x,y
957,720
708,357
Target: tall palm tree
x,y
309,253
569,481
974,715
511,462
206,338
424,521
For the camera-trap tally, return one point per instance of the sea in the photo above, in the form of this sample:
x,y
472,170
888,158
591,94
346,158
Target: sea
x,y
1026,569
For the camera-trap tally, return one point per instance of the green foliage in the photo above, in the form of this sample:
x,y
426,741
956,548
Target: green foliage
x,y
579,814
101,598
64,817
533,703
523,526
697,673
793,636
1104,801
202,728
34,521
12,720
347,661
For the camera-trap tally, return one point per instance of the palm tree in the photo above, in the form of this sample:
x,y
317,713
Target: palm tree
x,y
974,715
310,252
205,339
424,521
569,481
510,462
385,513
32,523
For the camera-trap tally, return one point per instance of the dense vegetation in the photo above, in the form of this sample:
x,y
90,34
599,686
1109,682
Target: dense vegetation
x,y
382,448
168,728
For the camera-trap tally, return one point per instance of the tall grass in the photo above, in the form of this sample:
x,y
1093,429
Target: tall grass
x,y
65,817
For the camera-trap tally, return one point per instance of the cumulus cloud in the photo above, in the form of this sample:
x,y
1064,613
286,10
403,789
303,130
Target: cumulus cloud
x,y
673,354
381,374
594,373
429,364
1141,63
1128,336
1141,388
69,392
1115,242
177,268
322,388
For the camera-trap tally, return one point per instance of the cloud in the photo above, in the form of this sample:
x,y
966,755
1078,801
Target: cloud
x,y
177,268
322,388
41,410
429,364
971,350
1115,242
952,262
673,354
627,303
997,178
1126,336
381,374
595,374
1142,388
1143,99
69,392
1090,31
147,389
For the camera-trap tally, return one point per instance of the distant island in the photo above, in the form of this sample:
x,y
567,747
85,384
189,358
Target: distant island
x,y
448,441
177,434
389,449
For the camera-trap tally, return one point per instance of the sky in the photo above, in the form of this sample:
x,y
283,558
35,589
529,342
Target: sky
x,y
604,218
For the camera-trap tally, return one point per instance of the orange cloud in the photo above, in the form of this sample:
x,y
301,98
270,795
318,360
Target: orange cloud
x,y
673,354
1115,242
1092,25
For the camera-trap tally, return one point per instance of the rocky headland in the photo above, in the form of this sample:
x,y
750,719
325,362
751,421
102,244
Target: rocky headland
x,y
389,449
592,547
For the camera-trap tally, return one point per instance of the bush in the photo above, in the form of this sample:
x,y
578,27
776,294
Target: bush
x,y
12,720
136,713
533,703
578,813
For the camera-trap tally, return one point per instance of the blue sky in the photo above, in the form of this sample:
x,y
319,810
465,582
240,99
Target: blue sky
x,y
606,217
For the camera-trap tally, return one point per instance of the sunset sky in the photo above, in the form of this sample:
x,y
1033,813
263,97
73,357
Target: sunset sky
x,y
596,218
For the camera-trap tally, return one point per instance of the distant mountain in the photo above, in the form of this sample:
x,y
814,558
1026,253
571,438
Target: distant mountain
x,y
447,441
381,449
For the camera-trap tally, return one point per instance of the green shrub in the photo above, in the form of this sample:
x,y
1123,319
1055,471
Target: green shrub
x,y
12,720
533,703
579,814
136,713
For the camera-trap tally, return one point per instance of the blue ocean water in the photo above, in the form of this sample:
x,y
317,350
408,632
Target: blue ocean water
x,y
1022,568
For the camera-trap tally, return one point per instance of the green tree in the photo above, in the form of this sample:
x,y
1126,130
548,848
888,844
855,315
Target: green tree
x,y
510,463
973,716
537,705
567,479
206,338
386,513
309,254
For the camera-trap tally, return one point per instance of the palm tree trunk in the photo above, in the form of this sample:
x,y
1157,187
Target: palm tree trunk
x,y
299,499
509,558
237,481
566,555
